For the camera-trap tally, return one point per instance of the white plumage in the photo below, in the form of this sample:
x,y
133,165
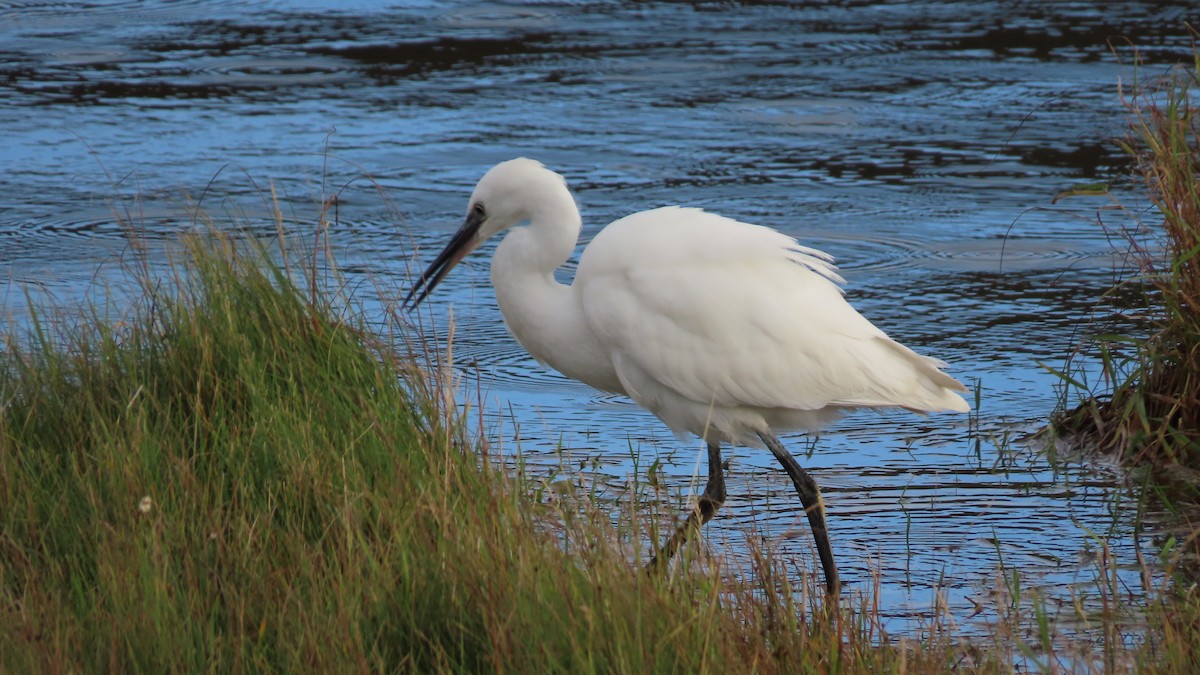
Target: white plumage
x,y
723,329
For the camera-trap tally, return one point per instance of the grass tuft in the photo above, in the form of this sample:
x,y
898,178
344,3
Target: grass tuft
x,y
1151,413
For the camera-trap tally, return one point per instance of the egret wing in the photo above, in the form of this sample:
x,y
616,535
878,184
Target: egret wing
x,y
728,314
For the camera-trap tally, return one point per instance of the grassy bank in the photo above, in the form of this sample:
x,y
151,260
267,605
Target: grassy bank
x,y
233,479
1148,410
1146,407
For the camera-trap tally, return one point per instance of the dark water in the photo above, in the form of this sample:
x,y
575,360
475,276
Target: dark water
x,y
920,143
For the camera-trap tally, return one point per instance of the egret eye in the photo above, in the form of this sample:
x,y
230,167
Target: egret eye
x,y
479,211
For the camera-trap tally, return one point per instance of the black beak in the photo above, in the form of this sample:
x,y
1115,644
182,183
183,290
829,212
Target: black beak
x,y
460,245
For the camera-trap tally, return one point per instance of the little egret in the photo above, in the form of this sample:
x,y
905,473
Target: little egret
x,y
723,329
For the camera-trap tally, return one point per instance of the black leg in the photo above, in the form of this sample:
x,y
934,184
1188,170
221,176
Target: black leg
x,y
706,507
814,506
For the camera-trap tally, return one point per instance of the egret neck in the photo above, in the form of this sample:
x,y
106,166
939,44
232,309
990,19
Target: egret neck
x,y
543,314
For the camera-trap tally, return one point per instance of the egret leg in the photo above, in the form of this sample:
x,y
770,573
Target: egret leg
x,y
814,506
706,507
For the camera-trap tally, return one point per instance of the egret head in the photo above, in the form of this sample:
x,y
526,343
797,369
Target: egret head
x,y
505,196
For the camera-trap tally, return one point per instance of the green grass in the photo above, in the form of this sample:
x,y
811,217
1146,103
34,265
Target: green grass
x,y
234,479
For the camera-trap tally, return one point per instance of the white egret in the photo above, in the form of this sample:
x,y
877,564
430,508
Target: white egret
x,y
723,329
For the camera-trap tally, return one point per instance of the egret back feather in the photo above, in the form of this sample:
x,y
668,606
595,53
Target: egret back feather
x,y
726,329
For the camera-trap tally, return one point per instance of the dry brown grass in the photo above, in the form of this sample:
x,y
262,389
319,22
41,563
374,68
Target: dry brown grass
x,y
1151,413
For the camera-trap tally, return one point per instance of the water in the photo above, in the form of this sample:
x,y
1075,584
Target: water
x,y
921,144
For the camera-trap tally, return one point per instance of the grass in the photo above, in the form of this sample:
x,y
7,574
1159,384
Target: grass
x,y
235,478
1149,412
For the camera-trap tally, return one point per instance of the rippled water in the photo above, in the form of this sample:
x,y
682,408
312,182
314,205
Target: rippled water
x,y
921,144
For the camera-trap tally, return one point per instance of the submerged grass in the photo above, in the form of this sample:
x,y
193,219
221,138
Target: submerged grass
x,y
234,479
